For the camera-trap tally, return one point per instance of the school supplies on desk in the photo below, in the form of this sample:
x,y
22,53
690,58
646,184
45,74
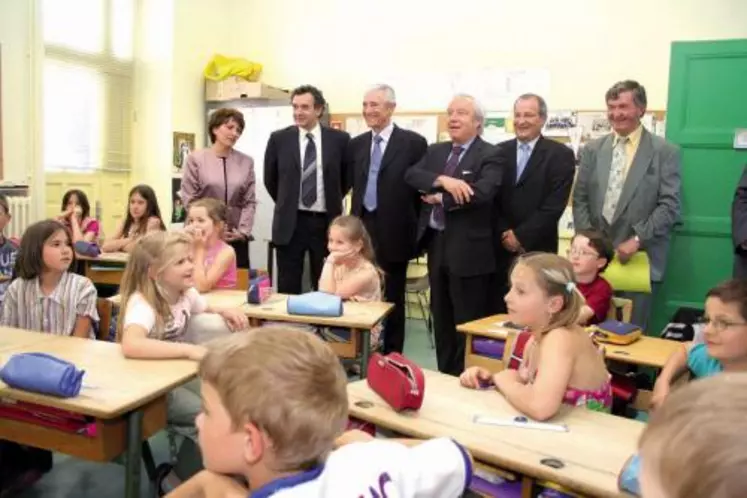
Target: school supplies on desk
x,y
399,381
315,304
628,478
90,249
519,422
614,332
259,289
633,276
42,373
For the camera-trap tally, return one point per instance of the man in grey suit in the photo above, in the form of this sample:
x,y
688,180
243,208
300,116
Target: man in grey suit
x,y
739,227
628,187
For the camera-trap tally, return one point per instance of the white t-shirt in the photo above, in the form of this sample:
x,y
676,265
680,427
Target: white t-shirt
x,y
139,312
381,468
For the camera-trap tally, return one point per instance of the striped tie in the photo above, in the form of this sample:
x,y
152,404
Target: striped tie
x,y
308,176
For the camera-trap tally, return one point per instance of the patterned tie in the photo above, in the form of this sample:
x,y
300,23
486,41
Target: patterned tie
x,y
308,175
523,159
370,197
439,216
616,180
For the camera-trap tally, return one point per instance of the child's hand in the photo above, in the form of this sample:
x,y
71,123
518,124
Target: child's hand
x,y
474,377
506,376
195,352
198,236
661,391
236,320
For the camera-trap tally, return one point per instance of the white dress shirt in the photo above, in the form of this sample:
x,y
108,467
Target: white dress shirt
x,y
386,135
319,206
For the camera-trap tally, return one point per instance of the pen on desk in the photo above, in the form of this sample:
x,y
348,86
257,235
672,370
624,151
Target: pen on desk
x,y
520,422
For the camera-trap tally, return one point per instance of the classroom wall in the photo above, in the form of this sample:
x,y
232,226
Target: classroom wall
x,y
344,45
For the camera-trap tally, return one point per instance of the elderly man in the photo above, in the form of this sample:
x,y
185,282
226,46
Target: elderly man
x,y
537,179
458,181
388,206
628,187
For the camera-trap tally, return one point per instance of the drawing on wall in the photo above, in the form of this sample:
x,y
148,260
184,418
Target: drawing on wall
x,y
184,144
178,211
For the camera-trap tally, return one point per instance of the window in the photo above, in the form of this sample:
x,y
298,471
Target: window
x,y
88,76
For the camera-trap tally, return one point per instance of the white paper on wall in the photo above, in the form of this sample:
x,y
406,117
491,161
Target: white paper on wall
x,y
425,125
497,89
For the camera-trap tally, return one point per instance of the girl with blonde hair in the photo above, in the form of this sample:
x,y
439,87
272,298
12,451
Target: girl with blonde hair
x,y
560,363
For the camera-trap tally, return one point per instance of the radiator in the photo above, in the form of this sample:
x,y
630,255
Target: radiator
x,y
20,216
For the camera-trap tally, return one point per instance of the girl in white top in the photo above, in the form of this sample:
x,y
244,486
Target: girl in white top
x,y
46,297
350,270
158,302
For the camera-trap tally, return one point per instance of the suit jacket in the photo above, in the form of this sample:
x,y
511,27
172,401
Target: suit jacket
x,y
739,226
398,204
469,249
282,176
649,204
533,206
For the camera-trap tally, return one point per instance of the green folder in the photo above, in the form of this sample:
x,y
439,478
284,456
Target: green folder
x,y
633,276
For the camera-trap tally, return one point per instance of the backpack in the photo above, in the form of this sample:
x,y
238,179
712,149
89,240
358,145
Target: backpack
x,y
684,326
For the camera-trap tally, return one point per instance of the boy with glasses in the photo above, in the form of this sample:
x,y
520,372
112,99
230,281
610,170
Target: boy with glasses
x,y
724,348
590,253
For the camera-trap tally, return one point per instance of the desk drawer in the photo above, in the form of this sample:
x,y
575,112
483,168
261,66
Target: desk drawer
x,y
476,360
109,442
105,277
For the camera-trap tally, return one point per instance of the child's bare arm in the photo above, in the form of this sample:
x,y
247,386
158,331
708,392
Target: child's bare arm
x,y
208,484
586,314
675,366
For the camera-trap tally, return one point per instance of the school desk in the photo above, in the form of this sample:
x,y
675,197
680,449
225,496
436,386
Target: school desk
x,y
646,351
591,453
106,269
126,399
360,318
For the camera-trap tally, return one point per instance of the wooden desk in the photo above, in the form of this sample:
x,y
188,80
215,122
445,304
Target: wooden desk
x,y
646,351
106,269
360,318
593,451
125,398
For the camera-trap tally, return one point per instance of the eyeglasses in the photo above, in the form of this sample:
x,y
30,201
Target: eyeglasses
x,y
720,325
580,253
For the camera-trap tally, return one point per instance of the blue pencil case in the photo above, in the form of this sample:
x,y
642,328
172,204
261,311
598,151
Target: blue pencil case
x,y
90,249
315,304
42,373
628,478
492,348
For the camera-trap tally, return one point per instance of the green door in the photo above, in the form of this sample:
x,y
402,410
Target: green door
x,y
707,103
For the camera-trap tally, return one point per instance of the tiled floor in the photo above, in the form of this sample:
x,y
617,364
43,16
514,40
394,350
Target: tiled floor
x,y
73,478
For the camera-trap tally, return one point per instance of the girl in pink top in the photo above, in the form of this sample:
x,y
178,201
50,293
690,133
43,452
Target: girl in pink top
x,y
223,173
76,216
214,260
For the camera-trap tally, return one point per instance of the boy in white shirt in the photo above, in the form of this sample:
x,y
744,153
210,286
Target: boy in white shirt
x,y
274,401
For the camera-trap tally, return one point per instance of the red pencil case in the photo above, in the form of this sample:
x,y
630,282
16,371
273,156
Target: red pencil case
x,y
399,381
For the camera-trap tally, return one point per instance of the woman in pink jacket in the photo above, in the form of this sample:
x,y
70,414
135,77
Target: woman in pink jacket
x,y
221,172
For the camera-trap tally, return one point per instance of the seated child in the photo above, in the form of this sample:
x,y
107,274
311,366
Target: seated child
x,y
159,305
590,253
725,345
273,402
76,216
350,270
8,250
143,216
561,364
694,445
46,297
215,261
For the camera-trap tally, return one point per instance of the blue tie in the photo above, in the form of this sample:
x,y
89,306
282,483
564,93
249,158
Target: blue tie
x,y
522,160
371,195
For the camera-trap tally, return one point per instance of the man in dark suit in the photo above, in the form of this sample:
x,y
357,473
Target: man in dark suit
x,y
459,181
537,180
387,205
306,174
739,227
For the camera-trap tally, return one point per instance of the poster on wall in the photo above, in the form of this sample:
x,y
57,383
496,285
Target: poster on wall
x,y
178,211
184,144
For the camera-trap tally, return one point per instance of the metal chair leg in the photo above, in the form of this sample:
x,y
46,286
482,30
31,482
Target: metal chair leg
x,y
426,312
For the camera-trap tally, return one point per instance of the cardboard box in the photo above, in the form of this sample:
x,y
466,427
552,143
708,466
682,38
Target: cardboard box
x,y
238,88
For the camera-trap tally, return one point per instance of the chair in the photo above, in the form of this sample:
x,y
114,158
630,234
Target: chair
x,y
621,309
104,308
417,285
